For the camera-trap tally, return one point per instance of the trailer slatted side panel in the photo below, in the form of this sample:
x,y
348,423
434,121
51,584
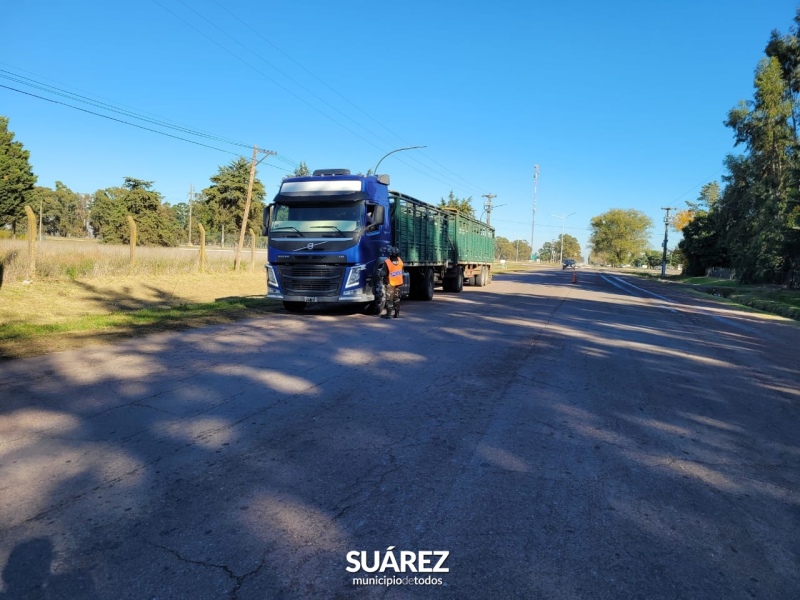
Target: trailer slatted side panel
x,y
420,231
472,240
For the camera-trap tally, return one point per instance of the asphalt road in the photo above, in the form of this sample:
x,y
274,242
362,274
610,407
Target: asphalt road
x,y
558,440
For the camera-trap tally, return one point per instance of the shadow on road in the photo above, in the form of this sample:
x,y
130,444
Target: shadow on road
x,y
236,462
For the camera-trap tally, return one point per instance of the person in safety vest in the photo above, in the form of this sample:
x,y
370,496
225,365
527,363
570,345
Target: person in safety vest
x,y
391,273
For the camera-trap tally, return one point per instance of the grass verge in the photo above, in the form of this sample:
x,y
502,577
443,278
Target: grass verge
x,y
56,315
773,299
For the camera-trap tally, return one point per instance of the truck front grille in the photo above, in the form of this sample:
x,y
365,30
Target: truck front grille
x,y
311,280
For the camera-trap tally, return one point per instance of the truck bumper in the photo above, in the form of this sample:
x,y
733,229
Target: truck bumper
x,y
350,296
316,292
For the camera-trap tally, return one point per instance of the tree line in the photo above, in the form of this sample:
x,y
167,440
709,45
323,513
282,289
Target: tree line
x,y
102,215
619,236
66,213
752,224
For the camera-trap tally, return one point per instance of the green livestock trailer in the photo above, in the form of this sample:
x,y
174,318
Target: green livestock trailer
x,y
440,246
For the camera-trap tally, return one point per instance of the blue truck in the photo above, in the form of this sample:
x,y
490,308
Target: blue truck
x,y
327,233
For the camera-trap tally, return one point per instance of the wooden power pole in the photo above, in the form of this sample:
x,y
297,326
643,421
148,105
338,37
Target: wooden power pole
x,y
246,215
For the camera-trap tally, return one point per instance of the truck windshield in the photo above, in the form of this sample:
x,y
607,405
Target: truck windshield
x,y
329,220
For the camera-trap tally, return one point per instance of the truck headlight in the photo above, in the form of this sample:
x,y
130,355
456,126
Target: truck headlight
x,y
354,277
271,279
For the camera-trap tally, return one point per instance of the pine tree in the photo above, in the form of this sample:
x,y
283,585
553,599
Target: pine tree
x,y
16,177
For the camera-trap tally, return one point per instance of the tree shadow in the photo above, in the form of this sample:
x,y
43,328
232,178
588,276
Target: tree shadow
x,y
28,575
241,465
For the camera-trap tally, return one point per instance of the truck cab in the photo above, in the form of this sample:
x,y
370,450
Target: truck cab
x,y
325,235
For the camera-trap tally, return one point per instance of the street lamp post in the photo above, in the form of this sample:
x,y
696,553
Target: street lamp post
x,y
533,221
563,218
666,230
375,170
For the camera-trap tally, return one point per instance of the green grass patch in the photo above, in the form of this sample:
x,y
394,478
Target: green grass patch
x,y
773,299
21,339
707,281
186,315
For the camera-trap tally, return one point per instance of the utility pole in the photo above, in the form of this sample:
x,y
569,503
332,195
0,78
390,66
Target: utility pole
x,y
563,218
533,222
666,231
246,214
488,207
191,198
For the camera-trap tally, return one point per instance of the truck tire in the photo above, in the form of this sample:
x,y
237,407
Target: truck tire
x,y
424,284
376,306
482,279
454,284
294,307
458,282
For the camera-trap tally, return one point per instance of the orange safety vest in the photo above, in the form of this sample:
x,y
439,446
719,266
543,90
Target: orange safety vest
x,y
395,272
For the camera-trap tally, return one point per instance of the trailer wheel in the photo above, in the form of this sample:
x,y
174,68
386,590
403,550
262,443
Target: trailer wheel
x,y
454,284
294,307
482,279
458,282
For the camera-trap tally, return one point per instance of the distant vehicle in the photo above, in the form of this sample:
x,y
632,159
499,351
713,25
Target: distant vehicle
x,y
568,264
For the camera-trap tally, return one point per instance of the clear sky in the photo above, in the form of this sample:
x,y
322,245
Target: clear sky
x,y
621,104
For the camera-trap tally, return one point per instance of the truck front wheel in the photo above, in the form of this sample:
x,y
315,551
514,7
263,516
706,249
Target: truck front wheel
x,y
376,306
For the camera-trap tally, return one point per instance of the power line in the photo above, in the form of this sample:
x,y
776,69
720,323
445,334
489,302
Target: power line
x,y
110,118
431,173
264,75
155,120
423,168
540,225
332,89
111,108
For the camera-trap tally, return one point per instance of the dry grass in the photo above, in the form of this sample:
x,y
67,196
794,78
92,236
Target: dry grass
x,y
85,293
81,259
48,302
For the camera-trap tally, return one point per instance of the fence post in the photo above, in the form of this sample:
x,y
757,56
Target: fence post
x,y
31,242
202,247
252,249
132,226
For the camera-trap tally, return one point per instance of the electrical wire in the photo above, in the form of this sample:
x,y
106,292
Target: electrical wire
x,y
340,95
110,118
431,173
105,106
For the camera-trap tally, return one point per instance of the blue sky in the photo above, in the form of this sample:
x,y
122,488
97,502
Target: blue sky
x,y
620,104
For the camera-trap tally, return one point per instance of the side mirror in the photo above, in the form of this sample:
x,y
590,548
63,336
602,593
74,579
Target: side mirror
x,y
265,220
378,215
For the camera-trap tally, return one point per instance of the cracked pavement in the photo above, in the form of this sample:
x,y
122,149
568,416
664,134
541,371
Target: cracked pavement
x,y
559,440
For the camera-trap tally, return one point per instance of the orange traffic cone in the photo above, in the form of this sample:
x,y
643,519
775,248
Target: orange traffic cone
x,y
574,277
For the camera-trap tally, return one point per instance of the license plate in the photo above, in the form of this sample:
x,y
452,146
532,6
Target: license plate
x,y
311,299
